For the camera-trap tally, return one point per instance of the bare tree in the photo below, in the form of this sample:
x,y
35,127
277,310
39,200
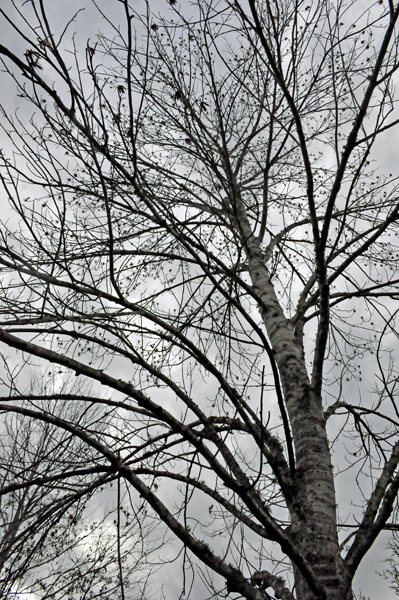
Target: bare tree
x,y
51,541
202,224
392,573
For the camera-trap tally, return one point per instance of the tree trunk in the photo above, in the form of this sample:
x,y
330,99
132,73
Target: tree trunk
x,y
313,512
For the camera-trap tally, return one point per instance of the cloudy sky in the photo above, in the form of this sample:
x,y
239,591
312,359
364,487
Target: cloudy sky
x,y
89,22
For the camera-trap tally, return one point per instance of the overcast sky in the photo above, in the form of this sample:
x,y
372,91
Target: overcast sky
x,y
89,22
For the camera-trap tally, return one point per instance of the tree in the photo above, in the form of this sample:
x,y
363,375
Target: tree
x,y
49,543
203,225
392,573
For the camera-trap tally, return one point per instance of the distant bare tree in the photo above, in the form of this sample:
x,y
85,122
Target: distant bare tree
x,y
392,573
204,222
49,543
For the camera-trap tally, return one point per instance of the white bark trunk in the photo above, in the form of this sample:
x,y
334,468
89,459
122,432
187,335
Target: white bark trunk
x,y
313,513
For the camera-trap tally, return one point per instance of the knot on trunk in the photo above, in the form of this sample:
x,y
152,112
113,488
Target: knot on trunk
x,y
263,579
